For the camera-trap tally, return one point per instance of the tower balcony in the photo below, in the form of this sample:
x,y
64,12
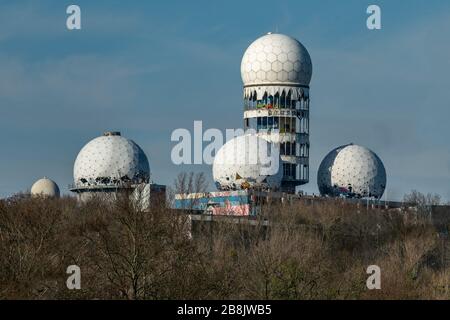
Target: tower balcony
x,y
276,136
296,159
293,113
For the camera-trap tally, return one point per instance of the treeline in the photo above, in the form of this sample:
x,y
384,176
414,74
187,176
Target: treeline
x,y
308,251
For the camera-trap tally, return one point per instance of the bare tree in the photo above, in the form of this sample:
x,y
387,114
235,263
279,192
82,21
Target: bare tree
x,y
299,249
422,200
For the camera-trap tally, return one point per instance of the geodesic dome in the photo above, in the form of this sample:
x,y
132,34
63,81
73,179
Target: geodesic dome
x,y
352,170
46,188
111,160
247,162
276,58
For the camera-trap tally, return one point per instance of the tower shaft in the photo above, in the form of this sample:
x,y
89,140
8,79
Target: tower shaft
x,y
280,114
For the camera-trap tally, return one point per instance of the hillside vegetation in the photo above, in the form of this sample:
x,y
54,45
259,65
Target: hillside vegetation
x,y
317,250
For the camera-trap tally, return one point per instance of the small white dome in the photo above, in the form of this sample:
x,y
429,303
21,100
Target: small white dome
x,y
247,162
352,169
46,188
276,59
111,160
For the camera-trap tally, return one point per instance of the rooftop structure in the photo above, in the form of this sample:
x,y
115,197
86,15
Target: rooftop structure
x,y
276,71
109,163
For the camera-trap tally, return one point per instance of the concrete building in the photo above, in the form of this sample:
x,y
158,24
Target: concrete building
x,y
241,203
276,71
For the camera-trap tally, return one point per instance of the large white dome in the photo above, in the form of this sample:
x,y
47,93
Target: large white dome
x,y
352,169
247,162
111,160
276,59
46,188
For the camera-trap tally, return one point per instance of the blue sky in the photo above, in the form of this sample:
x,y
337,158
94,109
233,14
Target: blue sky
x,y
146,68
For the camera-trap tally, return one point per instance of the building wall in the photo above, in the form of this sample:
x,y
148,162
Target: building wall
x,y
225,203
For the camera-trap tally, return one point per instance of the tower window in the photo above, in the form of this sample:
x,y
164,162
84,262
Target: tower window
x,y
287,149
289,170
